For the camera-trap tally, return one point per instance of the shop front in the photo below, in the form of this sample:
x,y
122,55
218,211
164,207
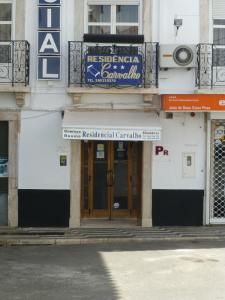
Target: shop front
x,y
112,123
111,164
213,107
216,176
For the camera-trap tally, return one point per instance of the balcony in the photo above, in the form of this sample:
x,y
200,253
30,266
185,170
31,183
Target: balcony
x,y
211,67
14,64
147,53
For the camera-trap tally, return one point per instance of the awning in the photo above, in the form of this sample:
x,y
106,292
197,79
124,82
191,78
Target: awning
x,y
111,125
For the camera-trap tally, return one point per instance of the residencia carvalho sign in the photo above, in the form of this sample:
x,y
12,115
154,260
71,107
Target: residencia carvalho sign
x,y
112,134
112,69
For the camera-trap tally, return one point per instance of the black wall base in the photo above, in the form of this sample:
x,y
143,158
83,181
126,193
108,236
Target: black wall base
x,y
51,208
177,207
44,208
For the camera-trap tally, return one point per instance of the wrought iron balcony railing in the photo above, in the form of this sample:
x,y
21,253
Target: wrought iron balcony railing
x,y
77,68
211,66
14,62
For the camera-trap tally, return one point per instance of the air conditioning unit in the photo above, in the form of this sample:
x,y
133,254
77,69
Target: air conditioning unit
x,y
177,56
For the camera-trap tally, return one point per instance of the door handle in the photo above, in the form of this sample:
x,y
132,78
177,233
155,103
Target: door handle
x,y
110,178
109,183
113,178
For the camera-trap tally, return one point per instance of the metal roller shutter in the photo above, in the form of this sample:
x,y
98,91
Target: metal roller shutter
x,y
218,9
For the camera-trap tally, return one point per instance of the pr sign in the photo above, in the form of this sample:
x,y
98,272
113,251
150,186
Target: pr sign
x,y
113,69
49,23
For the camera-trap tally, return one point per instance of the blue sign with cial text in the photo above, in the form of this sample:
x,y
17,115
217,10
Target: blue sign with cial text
x,y
49,23
112,69
48,42
49,18
49,67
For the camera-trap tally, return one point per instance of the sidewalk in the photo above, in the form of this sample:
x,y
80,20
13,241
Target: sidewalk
x,y
61,236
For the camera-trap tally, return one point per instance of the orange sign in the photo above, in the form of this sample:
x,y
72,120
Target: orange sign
x,y
194,102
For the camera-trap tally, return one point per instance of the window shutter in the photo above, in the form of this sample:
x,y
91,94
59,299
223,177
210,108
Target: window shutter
x,y
218,9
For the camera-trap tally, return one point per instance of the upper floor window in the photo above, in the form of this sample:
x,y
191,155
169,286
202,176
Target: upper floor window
x,y
219,42
218,16
113,19
5,21
219,32
6,12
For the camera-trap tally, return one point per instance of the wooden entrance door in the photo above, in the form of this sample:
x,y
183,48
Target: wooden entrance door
x,y
110,179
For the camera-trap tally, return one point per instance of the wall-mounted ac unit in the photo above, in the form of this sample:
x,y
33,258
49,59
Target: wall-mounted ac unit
x,y
177,56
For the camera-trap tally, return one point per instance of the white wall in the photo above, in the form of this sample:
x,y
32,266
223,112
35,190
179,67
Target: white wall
x,y
112,99
186,10
181,134
163,31
41,134
7,100
41,143
176,80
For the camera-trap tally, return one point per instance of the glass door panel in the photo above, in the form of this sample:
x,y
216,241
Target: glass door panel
x,y
100,175
120,176
3,201
85,177
134,187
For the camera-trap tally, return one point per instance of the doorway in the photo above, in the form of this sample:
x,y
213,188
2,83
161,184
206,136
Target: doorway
x,y
4,173
111,179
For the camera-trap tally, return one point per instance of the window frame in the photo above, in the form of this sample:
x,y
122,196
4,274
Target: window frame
x,y
113,24
217,46
136,24
219,27
12,22
108,24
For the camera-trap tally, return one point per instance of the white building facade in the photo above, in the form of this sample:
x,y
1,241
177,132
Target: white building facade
x,y
99,120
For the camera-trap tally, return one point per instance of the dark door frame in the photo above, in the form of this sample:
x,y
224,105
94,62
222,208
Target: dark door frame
x,y
110,213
